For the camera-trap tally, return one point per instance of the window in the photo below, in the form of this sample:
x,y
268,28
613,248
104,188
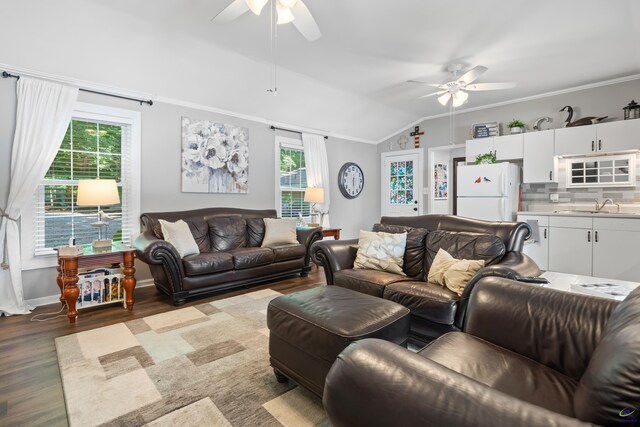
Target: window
x,y
292,179
100,142
606,171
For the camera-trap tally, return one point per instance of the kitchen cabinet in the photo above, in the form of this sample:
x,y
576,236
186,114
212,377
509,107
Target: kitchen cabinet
x,y
615,243
539,164
506,147
475,147
570,250
538,250
598,246
600,138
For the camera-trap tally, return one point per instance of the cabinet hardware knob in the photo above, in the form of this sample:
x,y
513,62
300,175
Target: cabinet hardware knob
x,y
593,146
415,209
596,237
599,144
545,233
550,175
588,236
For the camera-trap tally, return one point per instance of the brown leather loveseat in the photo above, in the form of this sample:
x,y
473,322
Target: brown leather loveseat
x,y
230,255
529,356
435,309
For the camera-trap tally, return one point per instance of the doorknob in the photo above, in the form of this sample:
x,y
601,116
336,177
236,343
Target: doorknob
x,y
415,209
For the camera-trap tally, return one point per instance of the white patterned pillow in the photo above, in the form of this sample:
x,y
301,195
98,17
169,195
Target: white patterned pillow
x,y
179,235
381,251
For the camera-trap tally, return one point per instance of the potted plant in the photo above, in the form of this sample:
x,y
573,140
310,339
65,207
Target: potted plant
x,y
485,159
516,126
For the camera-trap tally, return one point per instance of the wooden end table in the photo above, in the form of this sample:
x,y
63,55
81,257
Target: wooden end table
x,y
68,265
331,232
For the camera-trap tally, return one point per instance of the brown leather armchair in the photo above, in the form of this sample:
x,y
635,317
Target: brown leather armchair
x,y
435,310
528,356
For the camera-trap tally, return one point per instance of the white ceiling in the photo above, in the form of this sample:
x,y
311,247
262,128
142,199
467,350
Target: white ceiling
x,y
369,49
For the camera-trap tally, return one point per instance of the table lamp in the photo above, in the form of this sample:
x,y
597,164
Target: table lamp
x,y
98,192
314,195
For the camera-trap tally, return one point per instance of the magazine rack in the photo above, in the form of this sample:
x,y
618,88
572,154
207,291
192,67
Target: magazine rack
x,y
118,256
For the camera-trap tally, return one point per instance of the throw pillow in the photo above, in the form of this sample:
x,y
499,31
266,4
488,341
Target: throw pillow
x,y
381,251
279,232
415,250
451,272
178,234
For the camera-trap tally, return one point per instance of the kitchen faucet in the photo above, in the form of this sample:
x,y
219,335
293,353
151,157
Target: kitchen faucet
x,y
600,206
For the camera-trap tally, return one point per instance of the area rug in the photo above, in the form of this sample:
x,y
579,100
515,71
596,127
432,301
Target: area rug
x,y
206,365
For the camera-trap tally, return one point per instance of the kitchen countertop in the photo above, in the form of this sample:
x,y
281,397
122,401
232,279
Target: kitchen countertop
x,y
566,212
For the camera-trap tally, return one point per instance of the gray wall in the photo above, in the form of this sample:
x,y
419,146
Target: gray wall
x,y
601,101
160,170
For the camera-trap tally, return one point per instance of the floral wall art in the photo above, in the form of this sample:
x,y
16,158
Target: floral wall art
x,y
215,157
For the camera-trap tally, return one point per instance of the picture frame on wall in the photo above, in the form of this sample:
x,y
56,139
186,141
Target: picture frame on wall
x,y
440,182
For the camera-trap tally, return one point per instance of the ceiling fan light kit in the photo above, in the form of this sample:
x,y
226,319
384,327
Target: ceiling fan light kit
x,y
256,6
284,14
456,90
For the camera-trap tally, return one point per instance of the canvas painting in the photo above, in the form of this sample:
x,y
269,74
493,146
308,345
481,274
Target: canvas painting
x,y
215,157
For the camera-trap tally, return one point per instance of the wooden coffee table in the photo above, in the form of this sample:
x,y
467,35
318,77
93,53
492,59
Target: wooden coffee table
x,y
331,232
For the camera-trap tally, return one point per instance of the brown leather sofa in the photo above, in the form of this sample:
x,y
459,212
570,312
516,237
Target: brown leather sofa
x,y
435,309
230,256
528,356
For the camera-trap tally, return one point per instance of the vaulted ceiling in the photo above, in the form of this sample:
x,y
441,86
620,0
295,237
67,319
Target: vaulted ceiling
x,y
352,81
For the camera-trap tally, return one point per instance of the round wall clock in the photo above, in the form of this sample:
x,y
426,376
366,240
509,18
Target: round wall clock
x,y
350,180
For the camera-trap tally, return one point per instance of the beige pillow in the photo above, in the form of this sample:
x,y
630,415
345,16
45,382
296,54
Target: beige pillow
x,y
381,251
279,232
179,235
451,272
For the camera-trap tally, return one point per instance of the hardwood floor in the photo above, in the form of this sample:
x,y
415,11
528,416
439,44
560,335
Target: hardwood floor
x,y
30,386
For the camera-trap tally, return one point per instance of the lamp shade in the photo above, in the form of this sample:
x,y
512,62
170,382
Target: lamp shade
x,y
284,14
314,195
97,192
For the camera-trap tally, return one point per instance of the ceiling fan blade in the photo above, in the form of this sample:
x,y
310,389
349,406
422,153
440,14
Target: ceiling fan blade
x,y
304,22
427,84
472,74
433,94
231,12
489,86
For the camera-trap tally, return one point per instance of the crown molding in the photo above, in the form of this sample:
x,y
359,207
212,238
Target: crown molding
x,y
515,101
113,90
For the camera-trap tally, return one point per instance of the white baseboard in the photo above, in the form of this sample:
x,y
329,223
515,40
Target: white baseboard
x,y
52,299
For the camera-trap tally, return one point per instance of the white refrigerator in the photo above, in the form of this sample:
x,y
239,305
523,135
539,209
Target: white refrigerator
x,y
489,192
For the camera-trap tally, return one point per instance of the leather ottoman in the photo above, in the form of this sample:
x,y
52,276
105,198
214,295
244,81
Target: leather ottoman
x,y
308,329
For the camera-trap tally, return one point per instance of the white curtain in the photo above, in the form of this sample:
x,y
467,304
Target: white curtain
x,y
42,118
315,158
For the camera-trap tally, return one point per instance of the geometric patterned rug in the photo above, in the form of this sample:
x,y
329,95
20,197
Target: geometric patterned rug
x,y
206,365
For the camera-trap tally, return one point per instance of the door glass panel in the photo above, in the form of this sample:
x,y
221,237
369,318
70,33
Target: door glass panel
x,y
401,183
602,172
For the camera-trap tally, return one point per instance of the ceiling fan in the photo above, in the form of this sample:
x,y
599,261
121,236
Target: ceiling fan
x,y
456,90
294,11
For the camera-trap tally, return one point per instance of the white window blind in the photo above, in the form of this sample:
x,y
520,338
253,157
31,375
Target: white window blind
x,y
293,181
91,148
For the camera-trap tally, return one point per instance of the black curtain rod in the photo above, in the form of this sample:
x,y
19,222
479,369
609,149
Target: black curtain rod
x,y
292,131
141,101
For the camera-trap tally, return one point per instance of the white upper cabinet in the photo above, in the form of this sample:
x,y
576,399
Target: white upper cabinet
x,y
579,140
508,147
603,137
475,147
618,136
539,164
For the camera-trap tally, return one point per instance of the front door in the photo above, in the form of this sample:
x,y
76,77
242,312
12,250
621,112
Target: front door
x,y
401,185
